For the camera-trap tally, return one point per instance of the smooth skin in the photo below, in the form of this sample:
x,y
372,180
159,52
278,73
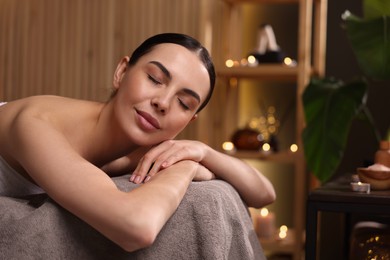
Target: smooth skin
x,y
71,147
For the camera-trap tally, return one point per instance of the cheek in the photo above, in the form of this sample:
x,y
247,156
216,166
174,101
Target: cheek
x,y
134,90
178,123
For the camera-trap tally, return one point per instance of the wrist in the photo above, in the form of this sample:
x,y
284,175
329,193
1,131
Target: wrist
x,y
188,166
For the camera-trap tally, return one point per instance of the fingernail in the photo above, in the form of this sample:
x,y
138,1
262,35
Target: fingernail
x,y
132,177
137,179
147,179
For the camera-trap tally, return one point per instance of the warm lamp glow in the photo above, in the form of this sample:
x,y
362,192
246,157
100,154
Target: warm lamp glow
x,y
287,61
271,120
294,148
266,147
282,235
283,232
264,212
272,129
229,63
283,228
228,146
251,59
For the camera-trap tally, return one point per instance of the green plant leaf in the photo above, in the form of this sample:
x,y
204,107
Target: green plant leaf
x,y
370,40
330,106
376,8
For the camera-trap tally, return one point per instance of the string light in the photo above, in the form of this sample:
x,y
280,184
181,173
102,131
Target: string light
x,y
229,63
264,212
266,147
294,148
228,146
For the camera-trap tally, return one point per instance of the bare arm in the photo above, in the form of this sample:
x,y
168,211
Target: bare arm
x,y
132,220
254,188
125,164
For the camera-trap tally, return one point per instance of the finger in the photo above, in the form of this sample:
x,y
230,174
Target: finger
x,y
160,153
181,153
160,162
138,176
146,164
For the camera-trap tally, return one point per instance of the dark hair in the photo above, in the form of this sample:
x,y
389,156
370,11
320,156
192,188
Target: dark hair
x,y
185,41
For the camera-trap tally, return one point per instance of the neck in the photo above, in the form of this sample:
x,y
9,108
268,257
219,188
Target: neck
x,y
104,140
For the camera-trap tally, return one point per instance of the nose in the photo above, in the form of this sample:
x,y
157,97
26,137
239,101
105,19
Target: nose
x,y
162,102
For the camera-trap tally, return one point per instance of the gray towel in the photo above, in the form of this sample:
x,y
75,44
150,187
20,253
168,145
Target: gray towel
x,y
211,222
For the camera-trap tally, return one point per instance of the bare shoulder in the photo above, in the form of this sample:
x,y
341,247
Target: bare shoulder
x,y
42,105
22,118
53,109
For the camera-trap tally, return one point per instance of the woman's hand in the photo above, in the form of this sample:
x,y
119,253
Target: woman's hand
x,y
247,180
168,153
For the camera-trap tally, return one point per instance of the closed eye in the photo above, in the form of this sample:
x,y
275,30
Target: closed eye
x,y
183,105
155,81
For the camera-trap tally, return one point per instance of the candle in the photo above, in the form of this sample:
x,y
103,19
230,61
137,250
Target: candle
x,y
283,232
360,187
265,224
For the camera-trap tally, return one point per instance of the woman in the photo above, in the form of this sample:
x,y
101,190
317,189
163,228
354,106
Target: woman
x,y
70,148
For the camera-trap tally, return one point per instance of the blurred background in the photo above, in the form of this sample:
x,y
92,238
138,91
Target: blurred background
x,y
71,48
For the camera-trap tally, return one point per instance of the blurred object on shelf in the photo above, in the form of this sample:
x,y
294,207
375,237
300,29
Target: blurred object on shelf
x,y
247,139
370,240
378,174
267,125
264,223
382,156
267,49
274,143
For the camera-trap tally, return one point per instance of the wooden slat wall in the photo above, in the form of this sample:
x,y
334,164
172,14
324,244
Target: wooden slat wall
x,y
71,47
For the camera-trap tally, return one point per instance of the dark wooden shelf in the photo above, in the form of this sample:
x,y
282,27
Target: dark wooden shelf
x,y
282,156
276,72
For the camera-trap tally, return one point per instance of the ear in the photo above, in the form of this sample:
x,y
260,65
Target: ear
x,y
194,117
120,72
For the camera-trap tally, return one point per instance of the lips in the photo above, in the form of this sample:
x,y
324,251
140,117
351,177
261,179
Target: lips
x,y
147,121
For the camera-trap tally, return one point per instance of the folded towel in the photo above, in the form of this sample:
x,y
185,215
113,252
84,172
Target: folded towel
x,y
211,222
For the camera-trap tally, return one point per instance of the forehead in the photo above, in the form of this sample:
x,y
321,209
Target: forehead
x,y
184,65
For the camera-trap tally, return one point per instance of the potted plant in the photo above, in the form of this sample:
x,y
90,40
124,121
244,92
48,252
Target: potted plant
x,y
330,105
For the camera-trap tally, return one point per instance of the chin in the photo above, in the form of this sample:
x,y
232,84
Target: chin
x,y
142,138
145,140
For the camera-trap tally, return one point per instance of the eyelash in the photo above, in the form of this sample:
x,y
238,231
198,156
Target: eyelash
x,y
154,80
183,104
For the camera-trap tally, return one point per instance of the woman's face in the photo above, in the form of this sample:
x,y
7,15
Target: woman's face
x,y
159,95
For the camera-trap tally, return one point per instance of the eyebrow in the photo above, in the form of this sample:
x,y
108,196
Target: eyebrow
x,y
163,69
192,93
169,76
